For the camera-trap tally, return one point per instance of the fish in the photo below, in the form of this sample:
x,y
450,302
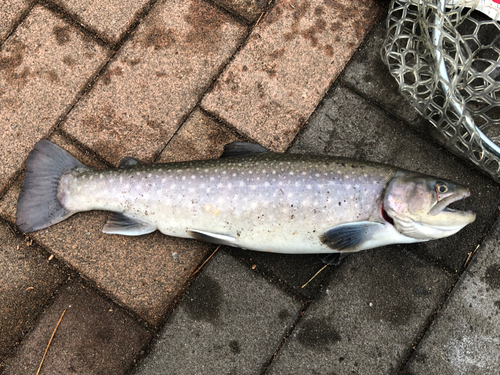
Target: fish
x,y
250,198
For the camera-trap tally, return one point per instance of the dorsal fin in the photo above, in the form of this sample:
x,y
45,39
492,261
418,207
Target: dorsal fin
x,y
127,162
242,149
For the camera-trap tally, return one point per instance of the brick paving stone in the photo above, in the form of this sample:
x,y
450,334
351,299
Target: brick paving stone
x,y
291,271
367,74
230,322
248,9
42,67
109,18
292,57
199,138
155,80
94,337
27,281
348,125
144,273
10,12
366,319
465,337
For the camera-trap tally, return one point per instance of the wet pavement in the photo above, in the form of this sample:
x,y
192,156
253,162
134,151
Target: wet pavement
x,y
177,80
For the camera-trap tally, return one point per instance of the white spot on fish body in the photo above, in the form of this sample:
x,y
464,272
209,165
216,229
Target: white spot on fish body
x,y
241,184
101,176
212,178
173,186
266,184
235,174
308,187
183,178
149,175
193,177
229,186
163,180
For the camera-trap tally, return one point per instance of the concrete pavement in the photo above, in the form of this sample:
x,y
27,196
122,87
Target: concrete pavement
x,y
177,80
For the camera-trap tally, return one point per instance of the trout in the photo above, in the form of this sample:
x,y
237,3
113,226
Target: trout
x,y
250,198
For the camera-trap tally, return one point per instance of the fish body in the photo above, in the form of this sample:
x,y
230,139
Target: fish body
x,y
257,200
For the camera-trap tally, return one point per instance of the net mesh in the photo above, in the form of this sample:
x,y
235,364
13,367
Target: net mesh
x,y
446,60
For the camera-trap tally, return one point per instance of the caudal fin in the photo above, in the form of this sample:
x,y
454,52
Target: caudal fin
x,y
38,206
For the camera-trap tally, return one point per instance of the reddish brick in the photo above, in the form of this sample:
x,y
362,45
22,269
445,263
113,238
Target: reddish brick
x,y
144,273
42,66
156,79
94,337
27,281
109,18
10,12
199,138
293,55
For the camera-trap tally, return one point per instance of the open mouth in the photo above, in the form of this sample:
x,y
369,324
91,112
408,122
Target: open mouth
x,y
442,205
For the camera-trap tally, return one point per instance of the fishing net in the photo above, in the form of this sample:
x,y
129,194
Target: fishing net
x,y
445,56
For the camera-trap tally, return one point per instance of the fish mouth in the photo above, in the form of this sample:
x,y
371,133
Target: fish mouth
x,y
442,205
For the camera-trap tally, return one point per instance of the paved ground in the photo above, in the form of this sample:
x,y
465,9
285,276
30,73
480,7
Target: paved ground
x,y
177,80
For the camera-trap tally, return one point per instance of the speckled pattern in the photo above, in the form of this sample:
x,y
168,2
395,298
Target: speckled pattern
x,y
271,202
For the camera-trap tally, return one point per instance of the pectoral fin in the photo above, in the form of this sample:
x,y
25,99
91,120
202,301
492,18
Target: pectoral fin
x,y
220,239
119,223
350,237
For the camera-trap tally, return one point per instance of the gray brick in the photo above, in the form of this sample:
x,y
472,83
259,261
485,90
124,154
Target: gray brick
x,y
367,317
231,321
465,338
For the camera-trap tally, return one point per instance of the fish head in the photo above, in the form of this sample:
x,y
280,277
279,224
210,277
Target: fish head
x,y
418,206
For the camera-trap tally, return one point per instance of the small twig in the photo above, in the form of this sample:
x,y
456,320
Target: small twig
x,y
50,341
316,274
256,23
469,256
210,257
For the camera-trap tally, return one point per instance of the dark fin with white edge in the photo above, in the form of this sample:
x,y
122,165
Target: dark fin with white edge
x,y
119,223
38,206
242,149
350,237
219,239
128,161
333,259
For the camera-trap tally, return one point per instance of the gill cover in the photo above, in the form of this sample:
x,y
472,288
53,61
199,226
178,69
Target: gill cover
x,y
418,205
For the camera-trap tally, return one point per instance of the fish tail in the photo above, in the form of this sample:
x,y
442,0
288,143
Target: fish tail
x,y
38,206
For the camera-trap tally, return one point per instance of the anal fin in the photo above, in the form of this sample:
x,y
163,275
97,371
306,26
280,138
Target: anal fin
x,y
350,237
119,223
220,239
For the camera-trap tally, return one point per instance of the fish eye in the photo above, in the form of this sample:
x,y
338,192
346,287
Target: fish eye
x,y
441,187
